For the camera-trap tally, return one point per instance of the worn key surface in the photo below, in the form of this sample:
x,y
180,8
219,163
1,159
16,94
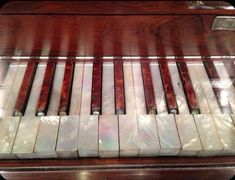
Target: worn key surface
x,y
188,88
96,96
168,88
119,87
25,89
148,88
66,89
45,92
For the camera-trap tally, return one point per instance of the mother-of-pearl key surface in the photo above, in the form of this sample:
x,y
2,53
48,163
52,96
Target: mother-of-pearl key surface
x,y
88,136
148,136
25,137
128,135
67,142
45,146
8,129
189,137
168,135
226,130
108,136
209,136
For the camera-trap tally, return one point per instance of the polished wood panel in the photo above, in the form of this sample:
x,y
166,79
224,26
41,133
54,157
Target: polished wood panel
x,y
148,88
25,88
168,88
66,89
105,7
138,168
188,88
45,94
113,35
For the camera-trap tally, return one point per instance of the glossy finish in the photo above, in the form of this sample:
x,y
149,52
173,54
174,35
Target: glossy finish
x,y
25,89
219,91
44,97
66,89
188,88
168,88
148,88
119,87
96,93
117,35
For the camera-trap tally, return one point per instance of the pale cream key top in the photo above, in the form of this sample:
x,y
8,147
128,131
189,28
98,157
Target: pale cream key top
x,y
128,136
26,137
8,129
47,137
208,134
189,137
148,136
226,130
233,117
168,135
67,142
108,136
88,136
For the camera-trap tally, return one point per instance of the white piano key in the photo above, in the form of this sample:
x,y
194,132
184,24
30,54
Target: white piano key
x,y
56,89
158,89
233,117
129,89
88,136
226,84
108,136
8,129
108,102
9,107
189,137
208,134
86,89
7,84
45,146
67,142
26,137
35,90
75,104
4,65
226,130
207,88
148,136
178,88
128,135
139,88
203,105
168,135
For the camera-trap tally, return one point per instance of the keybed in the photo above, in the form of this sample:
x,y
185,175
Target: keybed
x,y
117,109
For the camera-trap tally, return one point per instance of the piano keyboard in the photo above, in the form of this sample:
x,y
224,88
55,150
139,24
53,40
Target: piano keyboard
x,y
117,109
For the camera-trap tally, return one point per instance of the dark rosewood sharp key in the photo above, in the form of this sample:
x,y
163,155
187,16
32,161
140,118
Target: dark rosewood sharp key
x,y
168,88
148,88
188,88
44,97
66,89
25,89
119,87
96,88
216,85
